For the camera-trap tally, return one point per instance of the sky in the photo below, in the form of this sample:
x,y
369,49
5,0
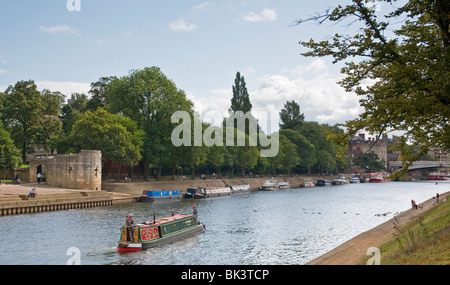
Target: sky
x,y
64,45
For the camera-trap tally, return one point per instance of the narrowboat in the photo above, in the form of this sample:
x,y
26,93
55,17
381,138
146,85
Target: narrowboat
x,y
159,195
323,182
240,189
270,185
217,192
285,184
195,193
159,232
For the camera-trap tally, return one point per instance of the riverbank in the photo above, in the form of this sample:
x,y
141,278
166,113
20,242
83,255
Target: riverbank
x,y
135,189
354,250
15,199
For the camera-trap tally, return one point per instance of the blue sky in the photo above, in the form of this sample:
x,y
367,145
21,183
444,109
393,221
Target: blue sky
x,y
200,45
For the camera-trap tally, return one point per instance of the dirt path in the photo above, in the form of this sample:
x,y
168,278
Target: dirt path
x,y
352,251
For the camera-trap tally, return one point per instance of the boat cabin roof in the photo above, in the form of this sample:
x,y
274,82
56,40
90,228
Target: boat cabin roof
x,y
164,220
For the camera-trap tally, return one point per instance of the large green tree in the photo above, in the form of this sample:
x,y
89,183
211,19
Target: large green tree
x,y
399,64
241,99
118,137
9,154
149,98
290,116
21,112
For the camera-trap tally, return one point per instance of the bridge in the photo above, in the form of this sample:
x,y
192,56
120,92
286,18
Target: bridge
x,y
396,165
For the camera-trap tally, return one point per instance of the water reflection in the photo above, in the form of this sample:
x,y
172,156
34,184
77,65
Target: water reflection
x,y
285,227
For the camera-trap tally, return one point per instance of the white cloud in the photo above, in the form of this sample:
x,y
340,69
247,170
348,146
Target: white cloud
x,y
66,88
182,26
3,71
266,15
202,6
60,30
320,98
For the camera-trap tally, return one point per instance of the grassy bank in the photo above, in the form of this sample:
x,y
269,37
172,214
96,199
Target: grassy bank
x,y
423,242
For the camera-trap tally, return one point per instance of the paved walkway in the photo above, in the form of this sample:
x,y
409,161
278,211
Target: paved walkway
x,y
24,189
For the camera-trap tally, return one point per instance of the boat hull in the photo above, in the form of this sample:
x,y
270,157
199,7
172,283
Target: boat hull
x,y
270,188
139,246
240,189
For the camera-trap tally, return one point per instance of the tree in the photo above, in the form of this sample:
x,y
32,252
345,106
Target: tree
x,y
149,98
50,130
9,154
98,93
241,99
116,136
290,158
402,73
21,112
290,116
369,161
305,149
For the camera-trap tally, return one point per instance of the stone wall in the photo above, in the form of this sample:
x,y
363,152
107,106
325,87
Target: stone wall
x,y
78,171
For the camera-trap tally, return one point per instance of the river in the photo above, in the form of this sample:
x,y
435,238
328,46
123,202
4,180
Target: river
x,y
291,226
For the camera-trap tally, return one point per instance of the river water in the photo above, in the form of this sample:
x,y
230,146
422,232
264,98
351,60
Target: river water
x,y
291,226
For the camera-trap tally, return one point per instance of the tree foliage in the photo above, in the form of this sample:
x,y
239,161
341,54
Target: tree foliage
x,y
401,72
149,98
116,136
240,100
290,116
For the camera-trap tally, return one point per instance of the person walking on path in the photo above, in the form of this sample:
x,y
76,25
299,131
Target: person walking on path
x,y
16,180
39,178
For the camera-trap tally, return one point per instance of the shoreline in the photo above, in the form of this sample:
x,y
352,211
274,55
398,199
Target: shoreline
x,y
353,250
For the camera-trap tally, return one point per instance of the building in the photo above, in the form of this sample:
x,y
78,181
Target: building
x,y
439,154
359,144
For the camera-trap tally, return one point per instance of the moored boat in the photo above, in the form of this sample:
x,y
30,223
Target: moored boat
x,y
158,232
270,185
438,176
323,182
240,189
340,180
308,183
377,177
195,193
285,184
159,195
217,192
355,179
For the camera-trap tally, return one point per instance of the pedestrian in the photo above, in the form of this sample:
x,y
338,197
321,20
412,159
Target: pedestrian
x,y
413,204
130,224
16,179
437,198
39,178
434,201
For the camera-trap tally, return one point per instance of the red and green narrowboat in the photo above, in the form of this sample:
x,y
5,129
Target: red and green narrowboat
x,y
159,232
